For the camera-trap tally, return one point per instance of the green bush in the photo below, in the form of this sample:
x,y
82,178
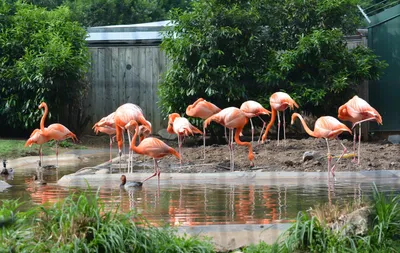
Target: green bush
x,y
43,57
232,51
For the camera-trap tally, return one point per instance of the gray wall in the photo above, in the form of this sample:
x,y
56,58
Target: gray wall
x,y
124,74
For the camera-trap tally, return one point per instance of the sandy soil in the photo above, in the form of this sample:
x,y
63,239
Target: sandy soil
x,y
376,155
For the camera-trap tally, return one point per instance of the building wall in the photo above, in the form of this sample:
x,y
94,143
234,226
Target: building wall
x,y
125,74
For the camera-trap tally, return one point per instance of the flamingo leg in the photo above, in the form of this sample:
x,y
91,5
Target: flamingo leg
x,y
284,128
340,157
110,149
359,143
354,144
232,150
279,125
56,153
262,130
129,153
252,131
180,140
156,171
204,142
329,158
40,155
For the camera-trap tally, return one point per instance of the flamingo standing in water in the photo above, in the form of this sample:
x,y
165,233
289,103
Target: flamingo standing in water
x,y
255,108
233,118
56,131
357,110
326,127
182,127
152,147
123,115
202,109
279,102
106,125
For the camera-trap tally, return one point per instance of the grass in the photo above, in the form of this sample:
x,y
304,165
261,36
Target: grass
x,y
80,223
11,149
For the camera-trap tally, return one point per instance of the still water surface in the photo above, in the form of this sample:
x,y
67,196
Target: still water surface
x,y
200,204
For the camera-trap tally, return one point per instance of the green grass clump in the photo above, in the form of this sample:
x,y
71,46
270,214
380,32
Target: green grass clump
x,y
80,223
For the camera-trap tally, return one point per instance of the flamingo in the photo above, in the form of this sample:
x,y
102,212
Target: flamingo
x,y
256,109
357,110
182,127
279,102
108,128
202,109
123,115
233,118
326,127
144,131
152,147
54,131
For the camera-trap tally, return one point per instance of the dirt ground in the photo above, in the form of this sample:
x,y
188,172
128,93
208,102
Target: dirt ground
x,y
376,155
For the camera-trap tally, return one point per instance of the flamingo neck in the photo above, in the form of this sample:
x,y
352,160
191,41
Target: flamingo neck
x,y
46,111
308,130
271,122
133,144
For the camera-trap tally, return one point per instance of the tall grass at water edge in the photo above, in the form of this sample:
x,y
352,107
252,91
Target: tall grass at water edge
x,y
309,234
80,223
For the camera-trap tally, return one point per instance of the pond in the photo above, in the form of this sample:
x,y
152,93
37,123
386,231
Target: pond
x,y
192,204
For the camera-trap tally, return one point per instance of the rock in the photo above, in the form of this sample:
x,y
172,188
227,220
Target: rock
x,y
102,171
289,163
309,155
164,134
395,139
355,223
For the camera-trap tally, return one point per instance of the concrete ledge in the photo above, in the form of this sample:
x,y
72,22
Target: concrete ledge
x,y
239,177
231,236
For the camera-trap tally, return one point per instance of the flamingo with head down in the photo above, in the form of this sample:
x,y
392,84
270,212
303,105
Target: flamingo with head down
x,y
279,102
202,109
256,109
152,147
326,127
181,127
233,118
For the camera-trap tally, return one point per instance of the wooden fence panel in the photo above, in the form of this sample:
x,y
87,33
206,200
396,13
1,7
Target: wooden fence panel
x,y
121,75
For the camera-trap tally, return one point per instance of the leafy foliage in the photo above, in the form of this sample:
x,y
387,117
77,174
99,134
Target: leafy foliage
x,y
232,51
43,57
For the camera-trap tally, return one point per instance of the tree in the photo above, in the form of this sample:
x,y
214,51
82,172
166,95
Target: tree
x,y
43,57
232,51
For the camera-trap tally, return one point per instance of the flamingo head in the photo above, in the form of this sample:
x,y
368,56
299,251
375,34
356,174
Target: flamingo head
x,y
43,104
343,113
130,124
171,119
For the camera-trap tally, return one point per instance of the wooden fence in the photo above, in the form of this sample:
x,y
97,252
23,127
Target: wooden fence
x,y
125,74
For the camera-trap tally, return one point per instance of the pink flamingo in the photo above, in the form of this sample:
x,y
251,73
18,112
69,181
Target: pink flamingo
x,y
152,147
256,109
202,109
233,118
357,110
181,127
326,127
54,131
123,115
279,102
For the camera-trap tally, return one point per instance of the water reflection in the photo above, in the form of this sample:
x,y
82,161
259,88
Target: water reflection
x,y
202,204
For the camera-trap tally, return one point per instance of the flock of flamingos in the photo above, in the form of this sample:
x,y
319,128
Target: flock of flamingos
x,y
129,117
